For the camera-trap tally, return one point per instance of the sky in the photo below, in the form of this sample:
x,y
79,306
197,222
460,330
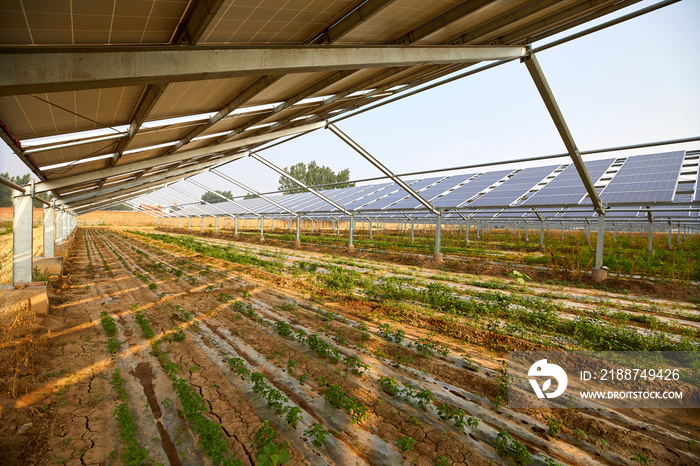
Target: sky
x,y
633,83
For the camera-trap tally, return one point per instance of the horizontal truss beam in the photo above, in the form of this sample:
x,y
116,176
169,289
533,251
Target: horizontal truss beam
x,y
55,70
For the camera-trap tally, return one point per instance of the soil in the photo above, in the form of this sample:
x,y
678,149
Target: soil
x,y
64,405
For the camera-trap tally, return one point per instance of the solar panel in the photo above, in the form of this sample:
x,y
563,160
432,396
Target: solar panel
x,y
367,196
400,194
567,187
511,190
645,178
465,192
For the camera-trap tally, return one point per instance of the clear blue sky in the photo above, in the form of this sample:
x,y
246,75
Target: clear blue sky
x,y
632,83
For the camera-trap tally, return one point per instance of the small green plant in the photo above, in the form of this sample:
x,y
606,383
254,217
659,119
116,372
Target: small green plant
x,y
302,378
389,385
291,364
144,324
441,461
238,365
224,298
355,365
112,345
405,443
293,416
506,446
553,425
108,324
272,455
178,335
317,434
152,286
641,459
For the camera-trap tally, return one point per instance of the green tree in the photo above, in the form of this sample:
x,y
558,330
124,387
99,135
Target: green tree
x,y
121,207
313,175
212,198
6,191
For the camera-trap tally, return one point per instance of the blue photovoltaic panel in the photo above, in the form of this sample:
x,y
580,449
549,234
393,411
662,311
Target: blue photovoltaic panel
x,y
668,212
397,196
410,202
341,197
567,187
645,178
697,187
465,192
379,190
508,192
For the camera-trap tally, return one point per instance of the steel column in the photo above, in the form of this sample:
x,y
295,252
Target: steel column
x,y
49,231
22,238
600,242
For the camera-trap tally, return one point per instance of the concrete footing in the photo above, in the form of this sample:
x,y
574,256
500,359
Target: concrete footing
x,y
52,265
437,257
34,292
297,243
351,248
598,275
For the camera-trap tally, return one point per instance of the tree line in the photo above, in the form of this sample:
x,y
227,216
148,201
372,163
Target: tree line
x,y
312,174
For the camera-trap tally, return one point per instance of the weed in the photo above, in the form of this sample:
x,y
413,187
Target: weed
x,y
302,378
405,443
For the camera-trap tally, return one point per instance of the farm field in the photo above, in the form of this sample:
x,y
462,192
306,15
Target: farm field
x,y
168,348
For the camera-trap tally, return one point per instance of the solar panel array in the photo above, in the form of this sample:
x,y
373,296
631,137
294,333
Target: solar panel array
x,y
514,188
639,180
567,187
645,178
461,195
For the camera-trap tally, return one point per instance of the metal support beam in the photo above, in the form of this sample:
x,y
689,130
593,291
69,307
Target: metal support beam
x,y
200,185
252,191
22,238
550,102
45,70
287,175
368,9
345,138
174,158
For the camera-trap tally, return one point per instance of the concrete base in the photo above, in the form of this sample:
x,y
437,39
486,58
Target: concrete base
x,y
437,257
669,247
53,265
598,275
297,243
34,292
351,248
262,239
467,243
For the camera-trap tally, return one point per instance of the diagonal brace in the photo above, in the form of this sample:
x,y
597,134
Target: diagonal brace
x,y
533,66
252,191
311,190
381,167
